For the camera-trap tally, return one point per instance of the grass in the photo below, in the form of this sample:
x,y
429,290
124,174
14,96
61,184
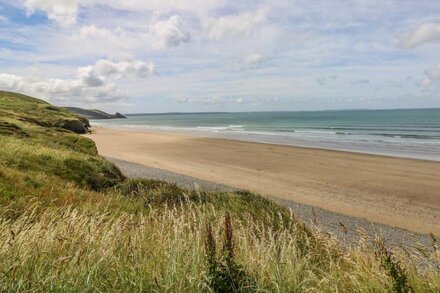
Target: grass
x,y
69,221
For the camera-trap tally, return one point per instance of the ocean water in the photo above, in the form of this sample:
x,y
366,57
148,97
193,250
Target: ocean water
x,y
413,133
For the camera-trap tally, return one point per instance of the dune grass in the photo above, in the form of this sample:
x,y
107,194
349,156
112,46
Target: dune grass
x,y
184,247
69,221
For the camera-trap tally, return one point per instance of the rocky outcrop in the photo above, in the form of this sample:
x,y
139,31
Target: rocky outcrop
x,y
119,115
77,126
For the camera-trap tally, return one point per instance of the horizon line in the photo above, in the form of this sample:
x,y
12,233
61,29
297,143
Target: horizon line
x,y
276,111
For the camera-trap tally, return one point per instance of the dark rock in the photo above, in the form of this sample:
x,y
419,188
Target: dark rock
x,y
119,115
76,126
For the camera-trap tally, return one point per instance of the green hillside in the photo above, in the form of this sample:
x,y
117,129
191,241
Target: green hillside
x,y
70,221
19,109
93,113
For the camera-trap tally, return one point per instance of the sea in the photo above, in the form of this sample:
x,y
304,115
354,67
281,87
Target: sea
x,y
411,133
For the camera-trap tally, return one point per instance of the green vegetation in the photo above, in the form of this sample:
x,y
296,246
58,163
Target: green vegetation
x,y
20,110
93,113
69,221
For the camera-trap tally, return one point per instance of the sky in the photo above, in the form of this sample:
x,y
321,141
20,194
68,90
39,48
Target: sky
x,y
142,56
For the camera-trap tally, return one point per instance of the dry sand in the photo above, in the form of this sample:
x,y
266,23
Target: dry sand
x,y
399,192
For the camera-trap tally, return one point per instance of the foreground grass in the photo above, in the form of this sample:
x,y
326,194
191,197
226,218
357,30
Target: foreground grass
x,y
69,221
184,247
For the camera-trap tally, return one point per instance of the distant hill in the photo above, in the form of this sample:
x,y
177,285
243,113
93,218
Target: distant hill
x,y
94,114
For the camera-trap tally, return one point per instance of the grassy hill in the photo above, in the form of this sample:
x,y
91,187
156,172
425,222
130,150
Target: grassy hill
x,y
70,221
18,109
93,113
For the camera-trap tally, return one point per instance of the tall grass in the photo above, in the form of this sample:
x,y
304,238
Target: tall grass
x,y
169,249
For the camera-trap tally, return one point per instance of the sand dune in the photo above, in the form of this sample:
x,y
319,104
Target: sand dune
x,y
400,192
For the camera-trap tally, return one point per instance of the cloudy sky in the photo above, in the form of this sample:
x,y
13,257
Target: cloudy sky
x,y
221,55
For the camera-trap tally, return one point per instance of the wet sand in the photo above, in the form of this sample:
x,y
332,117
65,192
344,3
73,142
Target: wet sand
x,y
404,193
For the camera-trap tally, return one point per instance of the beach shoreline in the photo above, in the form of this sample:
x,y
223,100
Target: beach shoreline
x,y
263,140
387,190
396,133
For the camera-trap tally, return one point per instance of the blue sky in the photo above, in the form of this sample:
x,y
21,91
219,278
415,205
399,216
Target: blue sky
x,y
221,55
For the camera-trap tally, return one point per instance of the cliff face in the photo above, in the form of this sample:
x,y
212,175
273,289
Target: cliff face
x,y
94,114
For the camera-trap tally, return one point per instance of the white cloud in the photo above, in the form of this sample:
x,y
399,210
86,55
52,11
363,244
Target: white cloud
x,y
93,32
59,88
165,6
11,82
234,25
432,76
88,77
133,68
97,75
54,89
63,12
425,33
93,83
254,59
171,32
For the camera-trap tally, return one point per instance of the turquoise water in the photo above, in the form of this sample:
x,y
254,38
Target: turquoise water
x,y
409,133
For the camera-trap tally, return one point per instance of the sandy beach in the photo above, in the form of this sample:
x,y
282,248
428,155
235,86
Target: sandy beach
x,y
404,193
